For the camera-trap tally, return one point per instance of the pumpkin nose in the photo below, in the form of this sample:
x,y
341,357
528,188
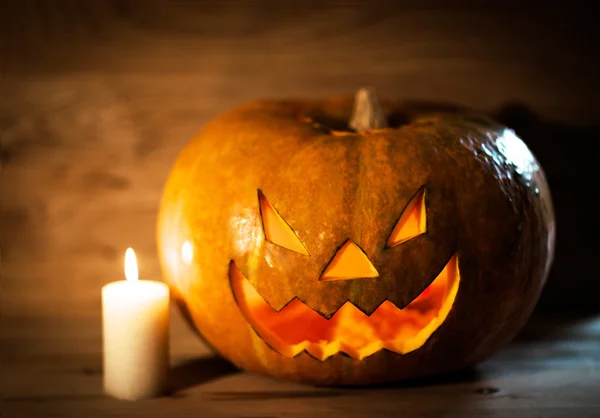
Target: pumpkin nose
x,y
350,262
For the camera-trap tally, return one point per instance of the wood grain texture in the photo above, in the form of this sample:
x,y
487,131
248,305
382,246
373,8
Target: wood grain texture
x,y
51,367
97,99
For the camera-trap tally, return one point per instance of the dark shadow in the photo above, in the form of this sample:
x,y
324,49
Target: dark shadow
x,y
407,110
566,153
468,375
197,371
548,326
464,376
267,395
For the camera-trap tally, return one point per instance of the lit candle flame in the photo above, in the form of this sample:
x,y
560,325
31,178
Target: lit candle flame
x,y
131,268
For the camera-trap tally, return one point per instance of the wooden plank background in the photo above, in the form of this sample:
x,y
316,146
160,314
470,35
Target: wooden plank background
x,y
99,97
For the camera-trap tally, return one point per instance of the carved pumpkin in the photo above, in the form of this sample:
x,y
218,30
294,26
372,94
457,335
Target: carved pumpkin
x,y
303,249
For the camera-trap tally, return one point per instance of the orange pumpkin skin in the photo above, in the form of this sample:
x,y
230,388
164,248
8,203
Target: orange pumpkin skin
x,y
487,202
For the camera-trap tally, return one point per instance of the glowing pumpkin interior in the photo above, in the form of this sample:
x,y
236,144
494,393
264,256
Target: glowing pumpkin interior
x,y
350,262
297,327
413,221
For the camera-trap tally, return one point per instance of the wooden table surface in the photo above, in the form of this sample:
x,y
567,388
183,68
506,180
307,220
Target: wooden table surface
x,y
51,367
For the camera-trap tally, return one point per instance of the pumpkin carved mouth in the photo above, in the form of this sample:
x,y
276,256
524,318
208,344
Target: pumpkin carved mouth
x,y
297,328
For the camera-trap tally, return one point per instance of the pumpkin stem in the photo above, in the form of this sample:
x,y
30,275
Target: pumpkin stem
x,y
368,112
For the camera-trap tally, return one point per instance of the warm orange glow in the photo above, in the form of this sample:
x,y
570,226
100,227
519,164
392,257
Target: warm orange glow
x,y
187,252
350,262
413,221
297,327
276,228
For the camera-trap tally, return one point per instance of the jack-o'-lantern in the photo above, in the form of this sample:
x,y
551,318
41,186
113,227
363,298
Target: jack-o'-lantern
x,y
303,246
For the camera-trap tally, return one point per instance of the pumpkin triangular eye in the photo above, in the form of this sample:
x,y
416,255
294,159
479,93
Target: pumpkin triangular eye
x,y
413,221
276,228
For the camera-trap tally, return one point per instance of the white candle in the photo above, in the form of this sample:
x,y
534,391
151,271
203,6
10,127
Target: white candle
x,y
135,315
